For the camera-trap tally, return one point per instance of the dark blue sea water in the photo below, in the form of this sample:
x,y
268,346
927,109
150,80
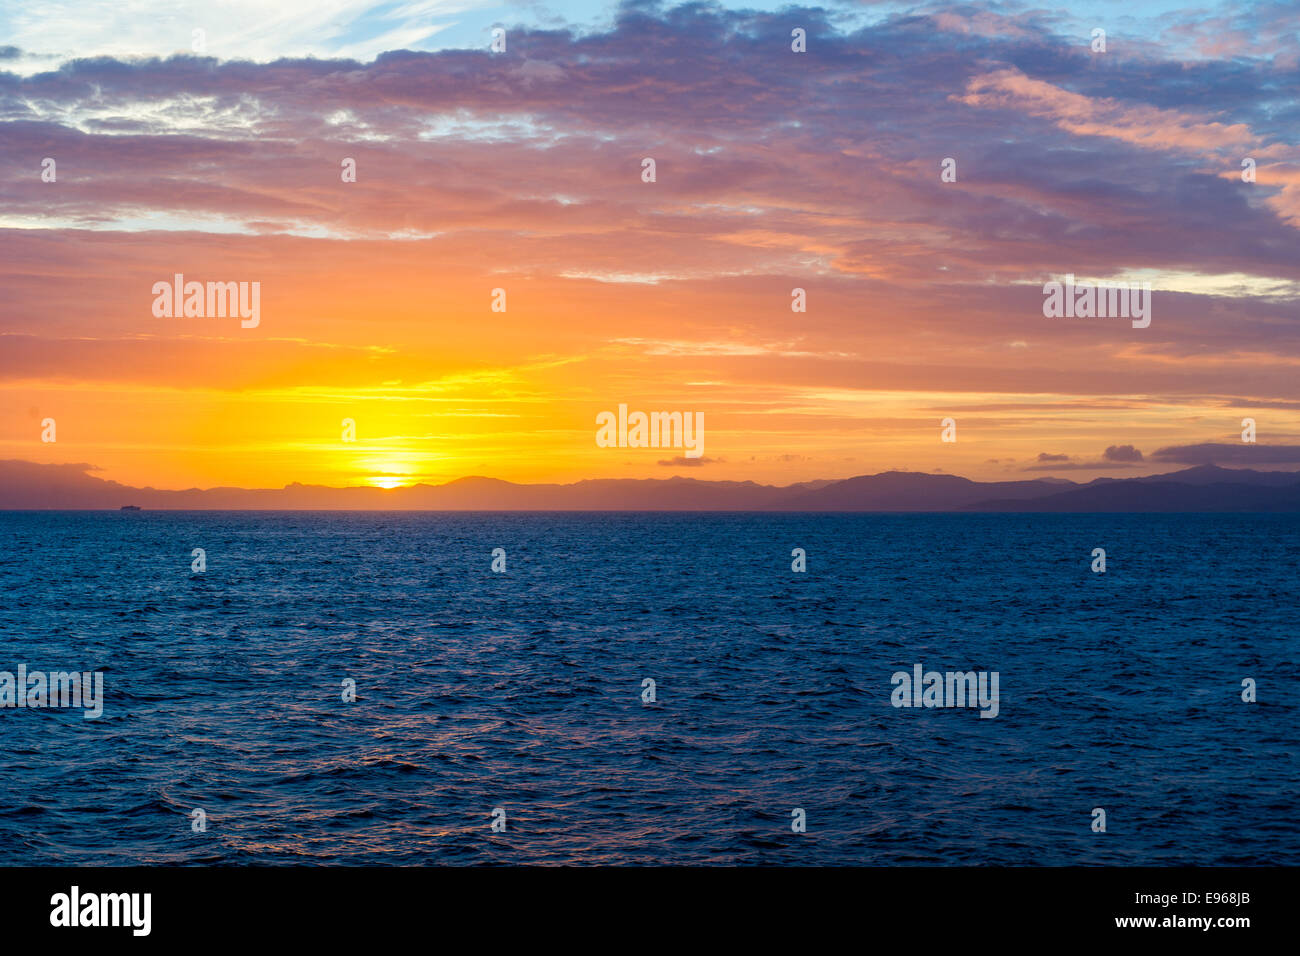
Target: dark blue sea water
x,y
523,690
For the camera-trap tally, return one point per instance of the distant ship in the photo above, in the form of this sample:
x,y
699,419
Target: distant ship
x,y
130,507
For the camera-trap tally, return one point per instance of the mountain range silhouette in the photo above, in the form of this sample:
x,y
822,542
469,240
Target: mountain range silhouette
x,y
1207,488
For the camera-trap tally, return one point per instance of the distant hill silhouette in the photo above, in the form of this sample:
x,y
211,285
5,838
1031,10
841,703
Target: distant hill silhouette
x,y
29,486
915,491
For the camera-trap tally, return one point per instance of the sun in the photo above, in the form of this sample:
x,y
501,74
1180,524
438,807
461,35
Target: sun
x,y
391,469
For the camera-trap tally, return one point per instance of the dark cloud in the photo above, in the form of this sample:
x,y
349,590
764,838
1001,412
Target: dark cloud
x,y
1123,453
875,107
1212,453
1116,456
765,159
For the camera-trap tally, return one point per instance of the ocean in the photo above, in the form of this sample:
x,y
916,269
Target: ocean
x,y
505,718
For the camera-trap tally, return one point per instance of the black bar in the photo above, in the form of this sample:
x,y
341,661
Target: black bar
x,y
645,908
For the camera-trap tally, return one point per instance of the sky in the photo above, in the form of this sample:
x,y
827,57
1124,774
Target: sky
x,y
218,155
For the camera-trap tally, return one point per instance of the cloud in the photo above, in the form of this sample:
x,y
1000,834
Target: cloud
x,y
1211,453
1122,453
681,461
1116,456
1139,124
522,170
232,29
1121,456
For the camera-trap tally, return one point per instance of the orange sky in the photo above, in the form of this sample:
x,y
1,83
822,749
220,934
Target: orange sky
x,y
523,172
441,387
